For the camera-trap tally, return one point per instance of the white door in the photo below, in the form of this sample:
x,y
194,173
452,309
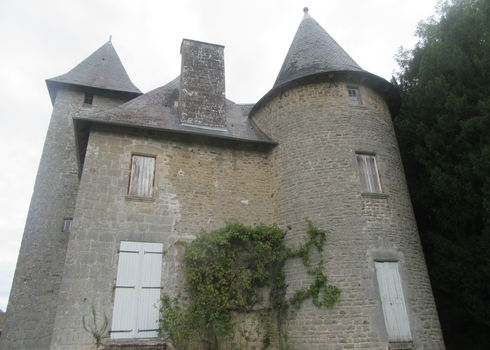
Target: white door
x,y
393,302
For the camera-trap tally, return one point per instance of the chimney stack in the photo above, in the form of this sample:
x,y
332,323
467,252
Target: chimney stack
x,y
202,84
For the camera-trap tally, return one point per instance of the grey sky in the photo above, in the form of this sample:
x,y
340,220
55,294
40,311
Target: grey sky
x,y
42,39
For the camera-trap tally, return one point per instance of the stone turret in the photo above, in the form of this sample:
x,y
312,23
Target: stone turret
x,y
98,83
338,164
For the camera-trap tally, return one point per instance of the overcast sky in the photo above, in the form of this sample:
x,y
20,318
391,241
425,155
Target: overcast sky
x,y
41,39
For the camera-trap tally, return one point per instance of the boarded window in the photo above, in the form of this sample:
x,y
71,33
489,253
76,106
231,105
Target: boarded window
x,y
368,173
142,176
88,100
137,291
393,302
354,96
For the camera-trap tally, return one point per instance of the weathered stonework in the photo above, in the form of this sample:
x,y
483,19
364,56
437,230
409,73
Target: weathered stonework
x,y
202,84
317,177
200,183
35,290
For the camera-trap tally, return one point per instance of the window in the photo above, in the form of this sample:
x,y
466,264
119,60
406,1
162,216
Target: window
x,y
88,100
393,302
137,291
354,96
142,176
67,225
368,173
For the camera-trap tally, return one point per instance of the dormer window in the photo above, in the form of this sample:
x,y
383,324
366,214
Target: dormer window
x,y
354,98
88,100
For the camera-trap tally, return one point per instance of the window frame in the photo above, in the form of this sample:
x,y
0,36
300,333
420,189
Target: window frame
x,y
141,188
354,96
67,225
370,182
88,100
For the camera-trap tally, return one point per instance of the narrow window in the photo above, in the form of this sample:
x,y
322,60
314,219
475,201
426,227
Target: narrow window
x,y
142,176
354,96
88,100
67,225
393,302
368,173
137,291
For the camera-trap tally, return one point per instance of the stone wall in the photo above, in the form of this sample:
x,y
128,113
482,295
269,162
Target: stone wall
x,y
317,177
200,182
35,289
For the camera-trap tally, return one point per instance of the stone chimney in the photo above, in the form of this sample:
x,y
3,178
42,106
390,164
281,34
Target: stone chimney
x,y
202,84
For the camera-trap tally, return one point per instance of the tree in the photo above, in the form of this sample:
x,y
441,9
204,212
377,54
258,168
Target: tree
x,y
443,130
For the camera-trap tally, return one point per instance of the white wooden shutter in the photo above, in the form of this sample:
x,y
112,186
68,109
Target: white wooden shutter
x,y
142,176
368,173
393,302
151,268
137,291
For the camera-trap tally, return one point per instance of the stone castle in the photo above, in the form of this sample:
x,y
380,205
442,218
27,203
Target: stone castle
x,y
124,175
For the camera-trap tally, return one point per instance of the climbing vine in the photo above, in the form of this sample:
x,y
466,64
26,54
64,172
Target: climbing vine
x,y
239,269
95,330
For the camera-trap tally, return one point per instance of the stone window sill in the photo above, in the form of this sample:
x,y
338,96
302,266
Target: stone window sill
x,y
140,199
406,345
374,195
136,344
358,106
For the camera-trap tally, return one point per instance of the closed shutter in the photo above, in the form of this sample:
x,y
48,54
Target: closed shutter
x,y
393,302
150,272
368,173
142,176
137,293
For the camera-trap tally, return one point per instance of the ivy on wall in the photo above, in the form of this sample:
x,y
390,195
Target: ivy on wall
x,y
240,269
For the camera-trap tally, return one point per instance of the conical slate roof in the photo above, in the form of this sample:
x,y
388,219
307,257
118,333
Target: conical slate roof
x,y
313,51
314,56
102,70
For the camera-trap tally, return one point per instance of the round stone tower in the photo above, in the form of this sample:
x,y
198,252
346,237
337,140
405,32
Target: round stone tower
x,y
338,164
98,83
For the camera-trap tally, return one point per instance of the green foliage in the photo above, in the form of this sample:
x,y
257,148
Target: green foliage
x,y
94,329
239,269
331,293
444,134
182,325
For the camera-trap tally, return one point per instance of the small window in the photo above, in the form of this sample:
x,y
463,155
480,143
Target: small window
x,y
67,225
354,98
141,177
88,100
368,173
